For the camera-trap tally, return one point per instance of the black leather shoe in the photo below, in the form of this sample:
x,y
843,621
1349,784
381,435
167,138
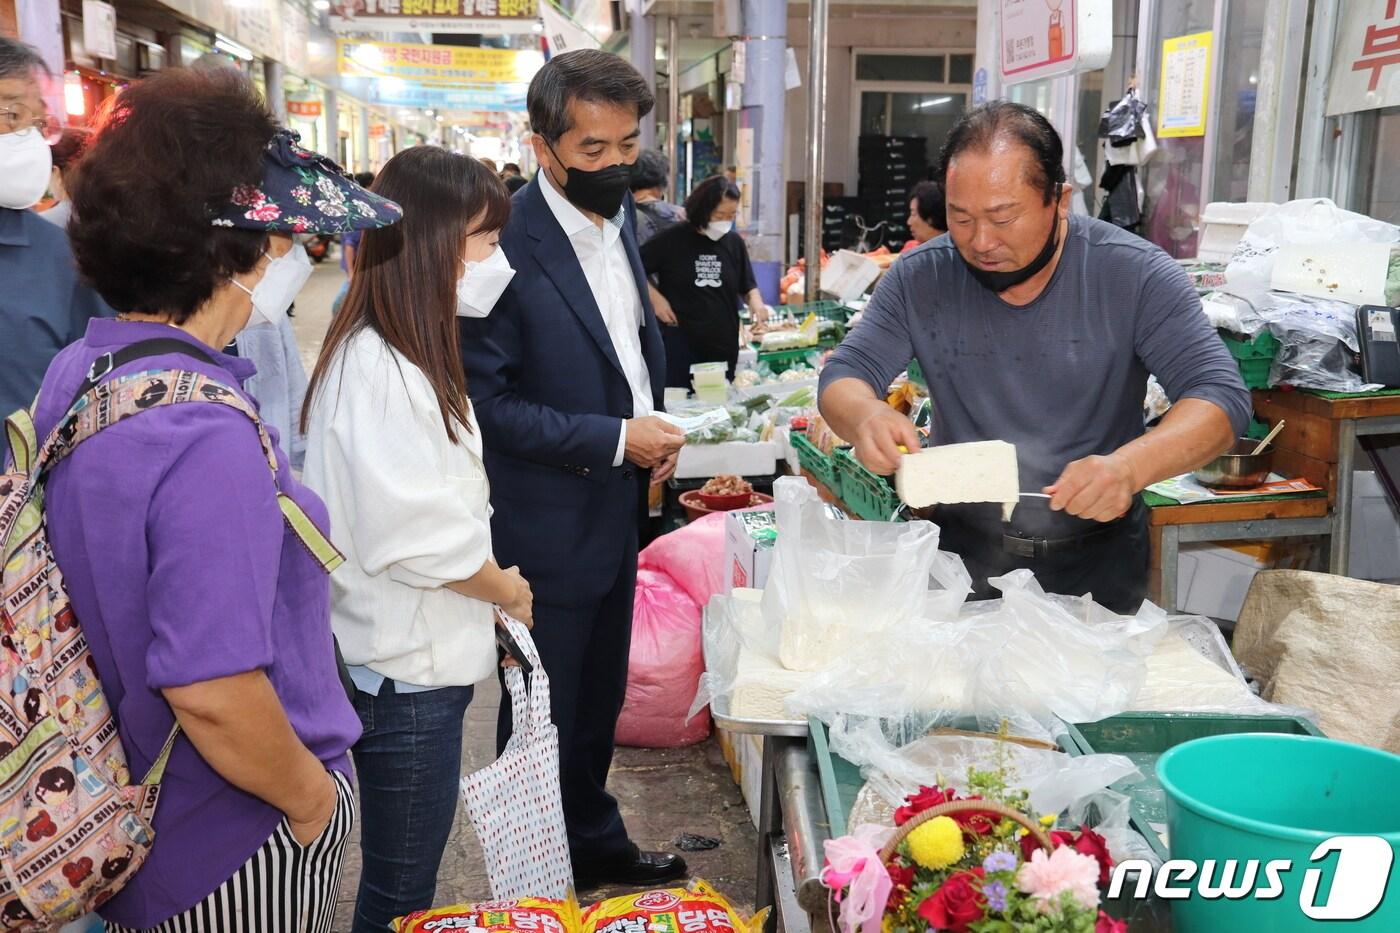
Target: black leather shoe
x,y
640,870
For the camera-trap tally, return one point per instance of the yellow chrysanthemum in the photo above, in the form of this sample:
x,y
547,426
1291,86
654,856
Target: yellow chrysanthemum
x,y
887,925
937,844
1048,820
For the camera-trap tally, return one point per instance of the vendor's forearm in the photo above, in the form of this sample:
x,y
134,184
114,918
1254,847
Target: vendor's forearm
x,y
490,585
238,726
846,403
755,300
1191,434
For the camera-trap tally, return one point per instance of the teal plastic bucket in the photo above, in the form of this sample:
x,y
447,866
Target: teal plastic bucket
x,y
1279,797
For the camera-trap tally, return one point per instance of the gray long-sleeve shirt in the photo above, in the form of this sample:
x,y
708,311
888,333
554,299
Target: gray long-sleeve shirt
x,y
1061,378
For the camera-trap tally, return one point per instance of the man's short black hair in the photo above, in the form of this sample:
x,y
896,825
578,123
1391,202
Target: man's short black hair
x,y
1002,119
928,201
510,167
364,179
586,74
18,60
650,171
706,196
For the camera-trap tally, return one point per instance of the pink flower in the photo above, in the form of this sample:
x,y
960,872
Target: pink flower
x,y
1046,877
853,865
266,212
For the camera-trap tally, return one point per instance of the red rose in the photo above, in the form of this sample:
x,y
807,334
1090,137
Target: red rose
x,y
1091,843
902,877
958,902
925,799
1107,924
1058,838
978,822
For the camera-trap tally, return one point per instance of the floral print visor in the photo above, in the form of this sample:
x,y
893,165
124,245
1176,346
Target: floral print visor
x,y
304,192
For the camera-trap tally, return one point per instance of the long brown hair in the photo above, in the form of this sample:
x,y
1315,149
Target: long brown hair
x,y
405,282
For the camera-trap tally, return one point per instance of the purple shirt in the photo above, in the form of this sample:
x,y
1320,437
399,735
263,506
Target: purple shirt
x,y
181,569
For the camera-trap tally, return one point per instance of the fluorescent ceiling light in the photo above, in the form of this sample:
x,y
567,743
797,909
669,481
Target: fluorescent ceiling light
x,y
936,102
228,46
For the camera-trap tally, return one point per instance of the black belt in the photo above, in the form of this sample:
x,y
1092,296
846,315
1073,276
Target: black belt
x,y
1039,548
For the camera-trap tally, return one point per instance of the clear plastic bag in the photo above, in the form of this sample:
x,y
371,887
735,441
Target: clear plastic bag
x,y
1302,222
836,584
742,671
1029,655
1318,343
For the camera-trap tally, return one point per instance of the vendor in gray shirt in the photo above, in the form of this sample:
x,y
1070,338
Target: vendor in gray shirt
x,y
1040,328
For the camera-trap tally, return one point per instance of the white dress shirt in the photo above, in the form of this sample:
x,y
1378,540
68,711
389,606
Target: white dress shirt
x,y
603,256
410,511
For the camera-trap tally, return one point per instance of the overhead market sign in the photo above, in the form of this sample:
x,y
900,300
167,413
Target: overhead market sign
x,y
435,64
1045,38
395,92
1365,57
485,17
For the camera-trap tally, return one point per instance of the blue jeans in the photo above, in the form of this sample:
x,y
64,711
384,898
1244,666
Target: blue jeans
x,y
409,764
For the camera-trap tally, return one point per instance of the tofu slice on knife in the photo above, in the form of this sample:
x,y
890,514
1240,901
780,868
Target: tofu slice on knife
x,y
983,471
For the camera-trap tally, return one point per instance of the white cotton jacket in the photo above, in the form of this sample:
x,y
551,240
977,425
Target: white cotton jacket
x,y
410,510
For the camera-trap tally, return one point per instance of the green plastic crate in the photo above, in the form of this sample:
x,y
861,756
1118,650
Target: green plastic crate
x,y
826,310
869,496
1255,357
815,462
780,361
1145,737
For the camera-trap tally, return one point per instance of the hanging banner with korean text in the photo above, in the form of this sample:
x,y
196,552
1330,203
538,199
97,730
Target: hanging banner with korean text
x,y
562,33
1366,57
435,64
1185,94
485,17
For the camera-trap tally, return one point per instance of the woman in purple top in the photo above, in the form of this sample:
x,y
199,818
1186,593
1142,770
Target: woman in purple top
x,y
200,606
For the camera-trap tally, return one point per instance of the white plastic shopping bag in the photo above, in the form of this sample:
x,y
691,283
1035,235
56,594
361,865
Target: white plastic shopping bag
x,y
514,803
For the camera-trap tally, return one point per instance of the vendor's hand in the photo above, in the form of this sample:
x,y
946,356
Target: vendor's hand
x,y
664,470
1099,489
310,821
520,604
651,440
881,435
760,315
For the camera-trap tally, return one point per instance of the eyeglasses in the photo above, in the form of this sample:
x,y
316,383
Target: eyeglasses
x,y
18,118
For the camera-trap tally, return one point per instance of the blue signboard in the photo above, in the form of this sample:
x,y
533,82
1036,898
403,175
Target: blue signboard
x,y
396,92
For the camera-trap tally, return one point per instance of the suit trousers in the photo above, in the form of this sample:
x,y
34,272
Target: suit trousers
x,y
584,649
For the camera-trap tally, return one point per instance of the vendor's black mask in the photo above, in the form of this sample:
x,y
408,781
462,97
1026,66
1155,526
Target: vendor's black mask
x,y
1001,281
600,191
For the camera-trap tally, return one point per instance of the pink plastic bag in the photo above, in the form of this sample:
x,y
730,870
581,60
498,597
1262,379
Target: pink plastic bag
x,y
664,668
693,556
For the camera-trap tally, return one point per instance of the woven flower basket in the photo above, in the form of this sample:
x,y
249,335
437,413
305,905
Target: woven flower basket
x,y
964,806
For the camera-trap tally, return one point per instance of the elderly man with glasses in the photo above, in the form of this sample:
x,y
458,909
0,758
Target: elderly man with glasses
x,y
43,304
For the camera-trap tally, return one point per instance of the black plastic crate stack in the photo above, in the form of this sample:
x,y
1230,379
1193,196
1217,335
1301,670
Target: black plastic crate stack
x,y
890,167
839,228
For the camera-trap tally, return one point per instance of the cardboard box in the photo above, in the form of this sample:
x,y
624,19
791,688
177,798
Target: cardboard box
x,y
749,539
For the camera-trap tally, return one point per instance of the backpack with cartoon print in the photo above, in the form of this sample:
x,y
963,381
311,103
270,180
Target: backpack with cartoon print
x,y
73,826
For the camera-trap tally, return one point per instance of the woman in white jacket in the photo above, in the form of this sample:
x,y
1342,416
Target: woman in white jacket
x,y
394,449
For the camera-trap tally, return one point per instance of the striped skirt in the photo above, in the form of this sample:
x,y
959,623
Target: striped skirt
x,y
282,888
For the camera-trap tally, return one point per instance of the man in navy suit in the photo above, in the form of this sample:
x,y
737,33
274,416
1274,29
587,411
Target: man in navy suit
x,y
565,375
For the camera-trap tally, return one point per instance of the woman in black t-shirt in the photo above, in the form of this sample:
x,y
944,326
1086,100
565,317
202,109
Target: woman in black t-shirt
x,y
702,272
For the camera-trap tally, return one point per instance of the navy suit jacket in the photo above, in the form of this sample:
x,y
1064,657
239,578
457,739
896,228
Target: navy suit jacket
x,y
550,395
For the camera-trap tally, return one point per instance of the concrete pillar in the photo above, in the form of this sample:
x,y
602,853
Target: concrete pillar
x,y
174,50
362,140
819,14
673,105
273,76
987,63
642,42
331,145
764,98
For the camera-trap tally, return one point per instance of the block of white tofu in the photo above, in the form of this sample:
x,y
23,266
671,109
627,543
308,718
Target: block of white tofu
x,y
983,471
762,686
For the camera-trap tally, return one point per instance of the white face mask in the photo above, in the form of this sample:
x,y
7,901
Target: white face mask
x,y
275,291
25,164
482,284
716,229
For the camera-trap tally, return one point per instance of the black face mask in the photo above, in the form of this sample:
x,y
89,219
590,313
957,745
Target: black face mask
x,y
1001,281
600,191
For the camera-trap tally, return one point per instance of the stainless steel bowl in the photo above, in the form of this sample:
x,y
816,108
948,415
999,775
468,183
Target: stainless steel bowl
x,y
1238,469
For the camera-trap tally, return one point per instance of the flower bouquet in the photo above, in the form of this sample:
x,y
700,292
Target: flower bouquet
x,y
976,864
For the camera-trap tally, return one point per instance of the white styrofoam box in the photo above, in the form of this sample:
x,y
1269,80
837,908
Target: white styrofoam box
x,y
1223,223
848,274
1375,531
741,458
1213,580
749,749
